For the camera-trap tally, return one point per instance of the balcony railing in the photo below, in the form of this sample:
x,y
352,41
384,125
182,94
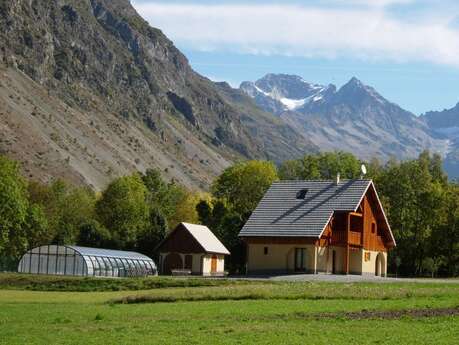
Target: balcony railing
x,y
355,237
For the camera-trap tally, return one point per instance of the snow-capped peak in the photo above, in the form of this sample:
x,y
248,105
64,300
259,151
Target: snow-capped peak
x,y
290,92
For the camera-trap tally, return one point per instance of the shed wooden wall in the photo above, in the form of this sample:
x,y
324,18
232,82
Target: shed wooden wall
x,y
180,241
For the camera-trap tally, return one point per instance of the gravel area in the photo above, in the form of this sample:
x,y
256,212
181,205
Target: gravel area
x,y
344,278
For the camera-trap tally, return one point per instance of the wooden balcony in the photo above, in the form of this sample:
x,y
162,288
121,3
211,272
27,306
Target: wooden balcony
x,y
355,238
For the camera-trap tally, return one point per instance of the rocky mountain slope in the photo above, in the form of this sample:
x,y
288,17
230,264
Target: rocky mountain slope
x,y
354,118
443,121
89,91
446,124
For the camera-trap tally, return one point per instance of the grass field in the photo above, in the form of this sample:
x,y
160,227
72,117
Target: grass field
x,y
201,311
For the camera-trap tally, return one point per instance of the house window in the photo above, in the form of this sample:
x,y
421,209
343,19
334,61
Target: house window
x,y
367,256
300,258
373,228
188,262
265,250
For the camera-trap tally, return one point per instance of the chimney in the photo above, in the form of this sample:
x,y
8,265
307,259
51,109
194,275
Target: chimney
x,y
337,179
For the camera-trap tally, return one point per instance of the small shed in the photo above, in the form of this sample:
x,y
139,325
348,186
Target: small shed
x,y
192,249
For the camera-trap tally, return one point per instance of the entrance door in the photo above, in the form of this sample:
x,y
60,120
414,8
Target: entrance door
x,y
300,258
380,265
334,262
213,264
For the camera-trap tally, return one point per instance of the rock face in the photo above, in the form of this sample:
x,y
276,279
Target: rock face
x,y
354,118
446,124
90,91
438,120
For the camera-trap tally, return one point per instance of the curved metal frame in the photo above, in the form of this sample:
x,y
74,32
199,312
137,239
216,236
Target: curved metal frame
x,y
84,261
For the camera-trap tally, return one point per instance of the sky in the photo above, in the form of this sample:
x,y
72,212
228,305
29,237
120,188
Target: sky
x,y
408,50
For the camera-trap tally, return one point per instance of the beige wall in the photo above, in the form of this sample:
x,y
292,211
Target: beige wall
x,y
325,259
355,261
206,264
196,266
280,258
368,267
324,263
196,263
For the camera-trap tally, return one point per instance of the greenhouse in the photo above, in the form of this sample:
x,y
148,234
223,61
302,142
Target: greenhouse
x,y
84,261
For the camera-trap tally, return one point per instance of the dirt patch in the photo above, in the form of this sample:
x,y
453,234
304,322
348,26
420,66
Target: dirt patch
x,y
386,314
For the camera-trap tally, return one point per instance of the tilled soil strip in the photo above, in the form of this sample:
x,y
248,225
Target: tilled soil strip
x,y
384,314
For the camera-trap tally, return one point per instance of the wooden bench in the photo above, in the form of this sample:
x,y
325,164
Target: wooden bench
x,y
181,272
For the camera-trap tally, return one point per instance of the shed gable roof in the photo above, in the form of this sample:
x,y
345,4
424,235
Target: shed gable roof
x,y
192,238
206,238
281,213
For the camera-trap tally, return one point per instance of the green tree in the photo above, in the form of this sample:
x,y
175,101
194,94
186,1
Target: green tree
x,y
153,234
77,207
37,229
13,209
93,234
244,184
414,203
174,202
123,210
445,238
321,166
66,208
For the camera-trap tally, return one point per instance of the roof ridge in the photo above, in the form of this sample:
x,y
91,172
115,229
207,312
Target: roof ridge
x,y
318,180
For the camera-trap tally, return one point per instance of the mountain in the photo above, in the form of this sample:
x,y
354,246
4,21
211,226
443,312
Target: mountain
x,y
446,124
89,91
443,121
278,93
354,118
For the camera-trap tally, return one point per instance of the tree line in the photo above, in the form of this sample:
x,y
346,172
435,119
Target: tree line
x,y
135,212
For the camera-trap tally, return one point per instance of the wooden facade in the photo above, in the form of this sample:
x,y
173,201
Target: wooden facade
x,y
181,241
364,229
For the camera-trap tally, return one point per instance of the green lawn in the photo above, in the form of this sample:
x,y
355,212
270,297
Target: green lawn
x,y
242,313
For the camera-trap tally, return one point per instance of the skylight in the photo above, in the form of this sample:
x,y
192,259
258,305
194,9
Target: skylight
x,y
301,194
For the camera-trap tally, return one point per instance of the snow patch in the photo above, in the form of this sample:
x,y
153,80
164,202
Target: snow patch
x,y
292,104
261,91
317,98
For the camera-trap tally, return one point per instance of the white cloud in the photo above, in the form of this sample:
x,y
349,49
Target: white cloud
x,y
370,3
363,32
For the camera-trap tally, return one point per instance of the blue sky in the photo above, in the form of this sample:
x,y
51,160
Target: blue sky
x,y
407,49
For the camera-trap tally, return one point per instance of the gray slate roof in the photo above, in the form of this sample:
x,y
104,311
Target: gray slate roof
x,y
280,213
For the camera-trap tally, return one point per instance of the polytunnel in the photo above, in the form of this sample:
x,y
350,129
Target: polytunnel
x,y
84,261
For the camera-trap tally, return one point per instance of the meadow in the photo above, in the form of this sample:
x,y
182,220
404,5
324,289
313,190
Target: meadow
x,y
53,310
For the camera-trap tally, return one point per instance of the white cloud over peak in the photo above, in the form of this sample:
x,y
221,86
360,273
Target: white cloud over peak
x,y
293,30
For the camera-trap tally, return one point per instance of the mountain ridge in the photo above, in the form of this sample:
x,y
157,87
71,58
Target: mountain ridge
x,y
354,117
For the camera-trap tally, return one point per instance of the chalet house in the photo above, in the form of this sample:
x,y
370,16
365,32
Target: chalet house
x,y
334,227
192,249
